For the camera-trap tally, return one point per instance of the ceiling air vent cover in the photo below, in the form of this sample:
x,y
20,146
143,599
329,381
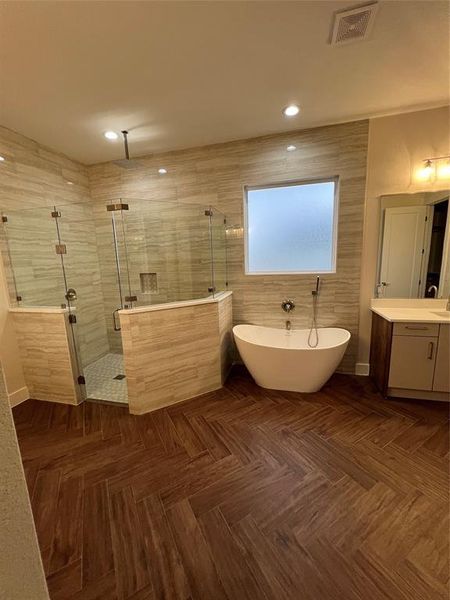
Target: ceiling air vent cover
x,y
353,24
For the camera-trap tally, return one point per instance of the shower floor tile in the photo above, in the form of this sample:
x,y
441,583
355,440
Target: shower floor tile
x,y
105,379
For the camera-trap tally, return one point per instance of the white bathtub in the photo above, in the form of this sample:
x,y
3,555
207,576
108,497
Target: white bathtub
x,y
281,360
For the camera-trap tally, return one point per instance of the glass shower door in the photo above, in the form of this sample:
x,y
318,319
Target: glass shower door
x,y
218,224
92,295
29,247
167,249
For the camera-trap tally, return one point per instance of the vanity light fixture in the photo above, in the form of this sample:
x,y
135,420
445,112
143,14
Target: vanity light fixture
x,y
291,148
110,135
437,167
162,171
291,111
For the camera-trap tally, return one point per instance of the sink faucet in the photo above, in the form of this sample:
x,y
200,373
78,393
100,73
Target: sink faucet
x,y
433,288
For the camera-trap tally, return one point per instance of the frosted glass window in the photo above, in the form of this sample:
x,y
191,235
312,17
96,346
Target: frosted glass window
x,y
291,228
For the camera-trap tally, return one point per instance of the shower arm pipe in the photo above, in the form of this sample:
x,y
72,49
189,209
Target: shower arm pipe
x,y
125,143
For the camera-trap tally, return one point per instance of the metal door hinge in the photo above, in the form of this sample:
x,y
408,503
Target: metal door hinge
x,y
224,221
81,380
208,213
72,319
55,214
19,298
130,298
118,206
61,249
4,219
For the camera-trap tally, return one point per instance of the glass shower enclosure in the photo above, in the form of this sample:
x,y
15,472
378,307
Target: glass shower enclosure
x,y
94,259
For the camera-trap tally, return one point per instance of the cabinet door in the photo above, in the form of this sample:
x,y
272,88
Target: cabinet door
x,y
412,362
441,381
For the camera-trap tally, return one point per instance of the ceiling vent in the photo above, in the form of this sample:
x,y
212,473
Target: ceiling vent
x,y
353,24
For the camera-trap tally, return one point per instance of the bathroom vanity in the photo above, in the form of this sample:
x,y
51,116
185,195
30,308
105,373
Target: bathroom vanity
x,y
410,349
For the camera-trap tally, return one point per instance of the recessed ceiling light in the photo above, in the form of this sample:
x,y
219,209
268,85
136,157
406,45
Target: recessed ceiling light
x,y
291,148
110,135
291,110
2,158
162,171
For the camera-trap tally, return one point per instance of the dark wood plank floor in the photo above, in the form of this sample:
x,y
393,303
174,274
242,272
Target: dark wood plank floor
x,y
244,493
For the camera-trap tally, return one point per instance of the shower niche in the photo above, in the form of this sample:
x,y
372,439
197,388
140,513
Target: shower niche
x,y
149,283
84,263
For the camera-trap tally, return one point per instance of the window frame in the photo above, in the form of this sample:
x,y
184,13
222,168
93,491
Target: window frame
x,y
297,182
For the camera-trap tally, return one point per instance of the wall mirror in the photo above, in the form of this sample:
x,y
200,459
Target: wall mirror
x,y
414,246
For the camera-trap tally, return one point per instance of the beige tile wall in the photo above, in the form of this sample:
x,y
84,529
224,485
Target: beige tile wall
x,y
47,356
216,175
32,180
174,354
225,316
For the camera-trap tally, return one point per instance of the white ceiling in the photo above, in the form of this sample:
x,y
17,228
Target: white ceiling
x,y
182,74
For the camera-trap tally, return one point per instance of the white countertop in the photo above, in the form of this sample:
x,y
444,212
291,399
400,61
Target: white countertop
x,y
397,314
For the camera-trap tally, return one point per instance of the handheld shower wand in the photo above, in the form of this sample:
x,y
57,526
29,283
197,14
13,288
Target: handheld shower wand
x,y
315,295
316,291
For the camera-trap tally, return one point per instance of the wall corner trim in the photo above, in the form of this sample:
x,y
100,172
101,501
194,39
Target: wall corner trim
x,y
362,369
18,396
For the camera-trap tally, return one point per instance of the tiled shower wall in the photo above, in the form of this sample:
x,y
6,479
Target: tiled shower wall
x,y
35,178
167,240
216,175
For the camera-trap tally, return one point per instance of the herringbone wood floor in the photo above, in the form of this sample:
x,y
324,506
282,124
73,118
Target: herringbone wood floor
x,y
244,493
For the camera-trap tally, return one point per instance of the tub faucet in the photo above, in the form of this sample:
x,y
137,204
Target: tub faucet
x,y
288,326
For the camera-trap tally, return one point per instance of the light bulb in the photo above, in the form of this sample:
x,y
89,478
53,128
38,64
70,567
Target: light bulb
x,y
444,170
291,111
2,158
291,148
162,171
426,171
110,135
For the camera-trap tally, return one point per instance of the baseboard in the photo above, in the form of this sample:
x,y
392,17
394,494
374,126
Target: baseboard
x,y
362,369
418,394
18,396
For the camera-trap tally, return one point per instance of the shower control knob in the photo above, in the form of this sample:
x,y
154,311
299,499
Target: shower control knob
x,y
71,294
288,305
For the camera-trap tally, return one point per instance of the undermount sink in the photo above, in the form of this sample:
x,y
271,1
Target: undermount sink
x,y
442,313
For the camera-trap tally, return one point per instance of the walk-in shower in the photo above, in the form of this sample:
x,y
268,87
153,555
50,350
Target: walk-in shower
x,y
93,259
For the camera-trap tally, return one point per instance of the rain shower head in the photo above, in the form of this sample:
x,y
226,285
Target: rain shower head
x,y
127,162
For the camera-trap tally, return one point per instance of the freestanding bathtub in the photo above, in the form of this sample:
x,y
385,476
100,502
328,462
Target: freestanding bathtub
x,y
282,360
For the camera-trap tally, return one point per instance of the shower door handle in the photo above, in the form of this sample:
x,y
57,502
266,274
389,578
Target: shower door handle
x,y
116,328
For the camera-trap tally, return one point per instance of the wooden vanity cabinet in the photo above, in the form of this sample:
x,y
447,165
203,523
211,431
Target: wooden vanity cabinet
x,y
441,373
410,360
413,360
